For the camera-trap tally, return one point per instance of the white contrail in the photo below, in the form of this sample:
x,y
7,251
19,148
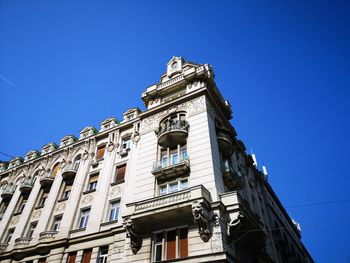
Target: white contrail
x,y
9,82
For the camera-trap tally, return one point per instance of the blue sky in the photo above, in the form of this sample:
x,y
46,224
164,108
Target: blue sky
x,y
283,65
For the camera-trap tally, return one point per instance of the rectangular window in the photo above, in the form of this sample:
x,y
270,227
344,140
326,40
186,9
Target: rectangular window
x,y
32,228
22,205
42,260
66,191
9,235
126,143
170,244
100,152
71,257
93,182
84,218
102,255
87,256
43,199
120,173
171,187
114,211
56,223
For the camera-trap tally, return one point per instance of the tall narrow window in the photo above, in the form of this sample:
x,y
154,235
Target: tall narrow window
x,y
171,244
126,143
76,162
87,256
100,152
93,182
43,198
114,210
9,235
66,191
22,204
120,173
71,257
55,169
32,228
102,255
84,218
56,223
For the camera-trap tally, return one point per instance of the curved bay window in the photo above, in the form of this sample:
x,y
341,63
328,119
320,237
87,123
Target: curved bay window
x,y
172,158
173,130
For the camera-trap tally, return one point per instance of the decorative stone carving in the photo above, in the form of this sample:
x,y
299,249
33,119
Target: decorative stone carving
x,y
235,222
36,214
192,108
202,220
61,207
116,191
135,239
14,220
85,155
87,199
110,146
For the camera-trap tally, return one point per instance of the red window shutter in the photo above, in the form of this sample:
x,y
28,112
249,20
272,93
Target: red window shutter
x,y
120,173
171,245
100,152
55,169
87,256
183,243
71,257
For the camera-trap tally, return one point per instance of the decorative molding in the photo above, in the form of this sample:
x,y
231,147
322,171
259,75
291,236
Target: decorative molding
x,y
87,199
202,220
135,239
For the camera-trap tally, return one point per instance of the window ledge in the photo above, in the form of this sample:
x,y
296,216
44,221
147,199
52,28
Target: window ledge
x,y
109,222
62,199
89,191
78,230
17,213
39,206
118,182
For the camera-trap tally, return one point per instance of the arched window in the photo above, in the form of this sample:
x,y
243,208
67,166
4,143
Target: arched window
x,y
55,169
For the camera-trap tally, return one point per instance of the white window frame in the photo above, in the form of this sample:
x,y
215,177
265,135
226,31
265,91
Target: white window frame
x,y
102,258
126,143
115,209
57,223
84,217
31,229
179,187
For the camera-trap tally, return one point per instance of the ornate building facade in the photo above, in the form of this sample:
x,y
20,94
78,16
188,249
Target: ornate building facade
x,y
170,183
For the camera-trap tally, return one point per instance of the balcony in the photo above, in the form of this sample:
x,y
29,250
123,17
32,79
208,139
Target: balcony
x,y
47,236
171,167
231,178
7,194
22,241
69,173
225,143
26,187
172,133
163,209
46,181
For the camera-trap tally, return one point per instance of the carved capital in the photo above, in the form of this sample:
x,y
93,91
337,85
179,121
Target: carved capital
x,y
135,239
201,217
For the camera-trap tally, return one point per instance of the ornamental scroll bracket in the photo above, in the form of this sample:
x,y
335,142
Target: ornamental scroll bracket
x,y
201,217
135,239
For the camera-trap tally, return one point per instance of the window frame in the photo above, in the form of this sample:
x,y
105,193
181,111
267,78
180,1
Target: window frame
x,y
163,244
179,182
32,227
115,176
111,208
102,258
56,223
84,219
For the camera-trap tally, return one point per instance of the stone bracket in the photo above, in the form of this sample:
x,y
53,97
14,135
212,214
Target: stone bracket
x,y
135,239
203,222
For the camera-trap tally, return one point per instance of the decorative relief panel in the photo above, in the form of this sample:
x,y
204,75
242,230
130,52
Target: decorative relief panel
x,y
87,199
36,214
115,191
192,107
14,220
61,207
